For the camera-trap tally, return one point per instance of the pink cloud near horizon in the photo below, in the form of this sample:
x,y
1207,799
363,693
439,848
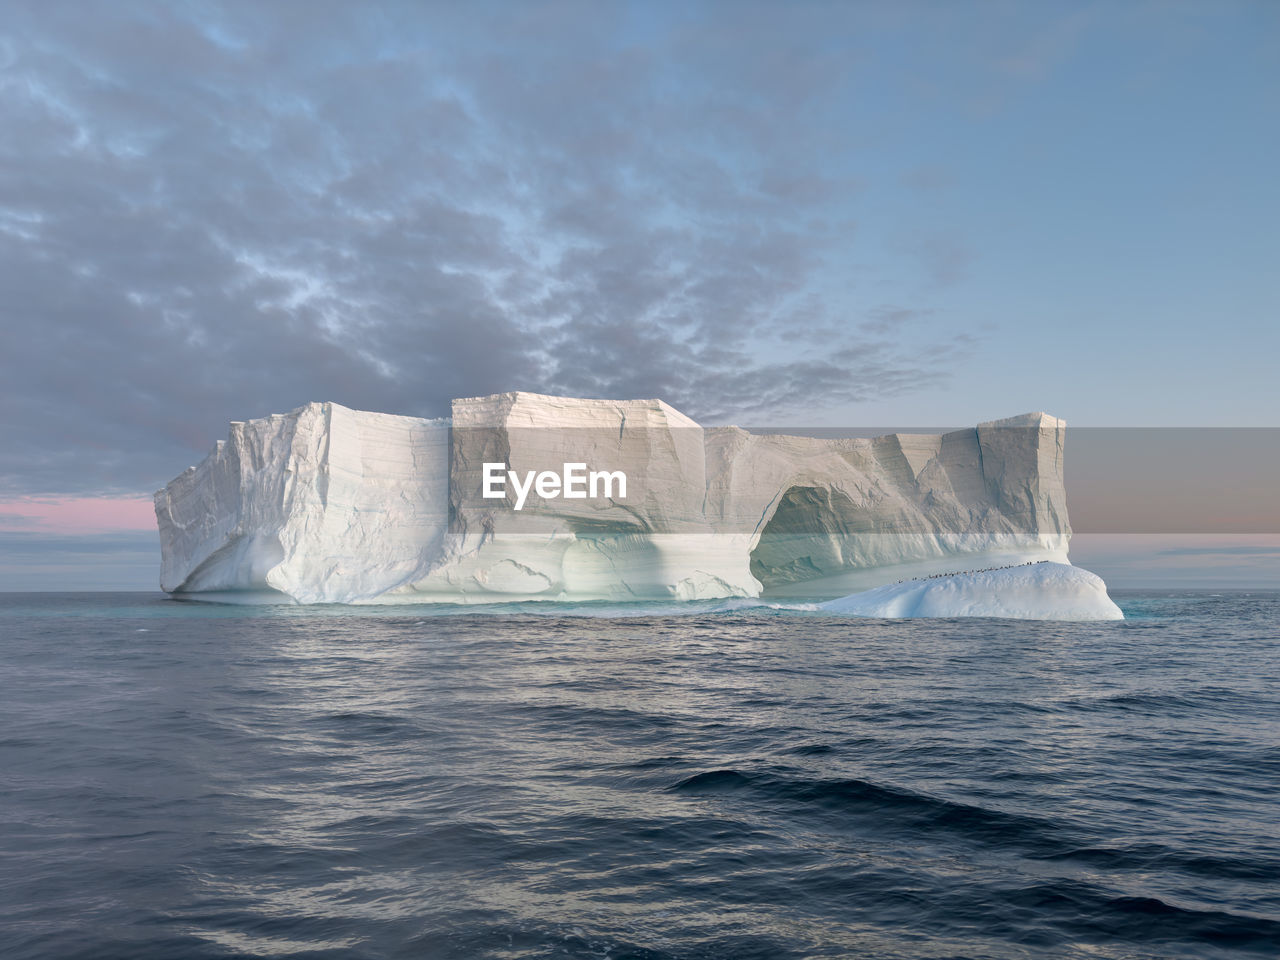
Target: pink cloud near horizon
x,y
69,515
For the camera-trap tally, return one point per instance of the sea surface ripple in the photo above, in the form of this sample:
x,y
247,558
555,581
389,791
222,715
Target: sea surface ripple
x,y
200,781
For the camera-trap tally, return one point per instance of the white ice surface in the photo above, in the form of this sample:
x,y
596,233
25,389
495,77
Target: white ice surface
x,y
1040,591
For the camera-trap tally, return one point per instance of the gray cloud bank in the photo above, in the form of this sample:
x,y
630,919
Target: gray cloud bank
x,y
108,561
216,212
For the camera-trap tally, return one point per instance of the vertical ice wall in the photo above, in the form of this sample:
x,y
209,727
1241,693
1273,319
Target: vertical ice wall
x,y
322,504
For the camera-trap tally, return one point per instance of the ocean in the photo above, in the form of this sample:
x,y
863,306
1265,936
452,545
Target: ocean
x,y
184,780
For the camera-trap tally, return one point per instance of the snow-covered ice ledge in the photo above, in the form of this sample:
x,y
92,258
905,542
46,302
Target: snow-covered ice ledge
x,y
330,505
1036,591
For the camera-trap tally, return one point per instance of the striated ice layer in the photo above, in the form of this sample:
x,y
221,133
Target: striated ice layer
x,y
1038,591
324,504
327,504
578,566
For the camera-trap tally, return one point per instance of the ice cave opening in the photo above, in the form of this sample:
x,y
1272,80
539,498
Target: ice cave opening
x,y
806,536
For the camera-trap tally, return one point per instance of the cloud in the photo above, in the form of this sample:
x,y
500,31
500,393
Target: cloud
x,y
21,546
1246,561
928,178
942,256
1224,551
213,213
108,561
77,514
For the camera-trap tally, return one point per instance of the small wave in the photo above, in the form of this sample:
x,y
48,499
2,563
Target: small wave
x,y
1164,703
716,780
653,763
812,750
1157,858
361,724
892,807
1086,908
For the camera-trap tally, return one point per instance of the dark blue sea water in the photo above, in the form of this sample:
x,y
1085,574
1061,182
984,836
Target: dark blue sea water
x,y
181,780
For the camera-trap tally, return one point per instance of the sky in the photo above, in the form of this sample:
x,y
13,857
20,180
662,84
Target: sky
x,y
819,214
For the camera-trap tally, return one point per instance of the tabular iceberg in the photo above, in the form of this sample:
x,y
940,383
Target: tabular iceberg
x,y
328,504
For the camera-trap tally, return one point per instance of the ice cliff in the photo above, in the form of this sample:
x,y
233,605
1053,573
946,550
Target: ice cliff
x,y
321,504
327,504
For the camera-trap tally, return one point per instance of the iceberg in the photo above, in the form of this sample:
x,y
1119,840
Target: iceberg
x,y
1035,591
499,501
